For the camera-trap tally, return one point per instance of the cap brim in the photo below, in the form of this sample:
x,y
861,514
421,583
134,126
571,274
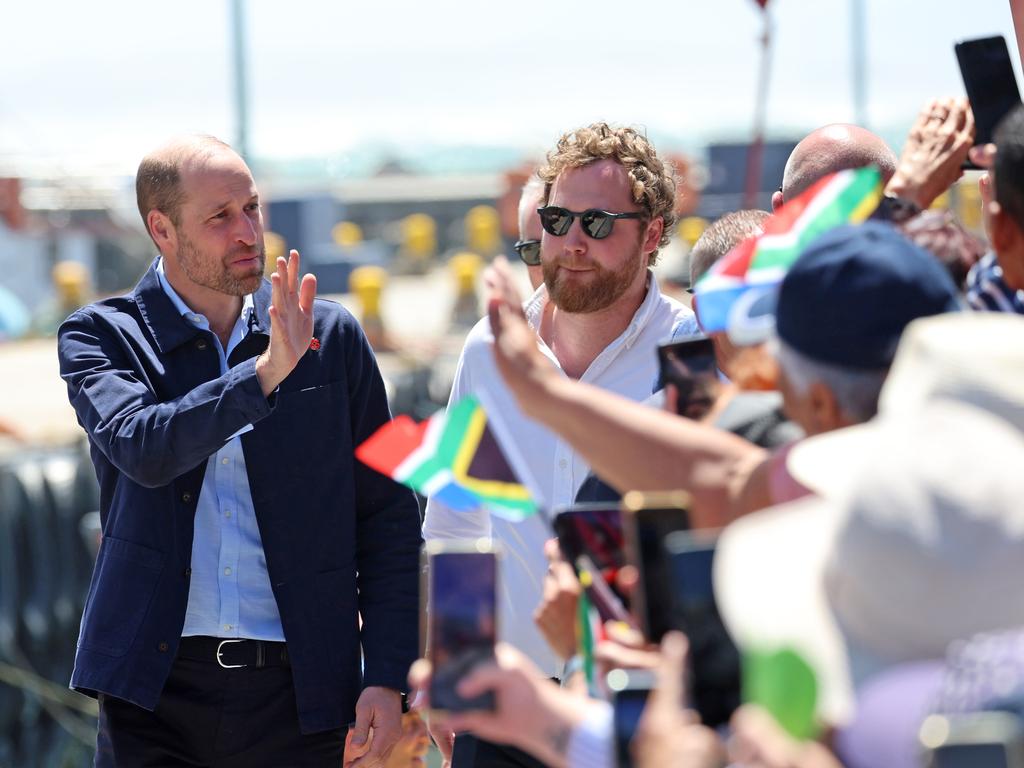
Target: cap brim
x,y
769,586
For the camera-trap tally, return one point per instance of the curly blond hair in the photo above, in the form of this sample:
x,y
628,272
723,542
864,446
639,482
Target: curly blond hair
x,y
652,181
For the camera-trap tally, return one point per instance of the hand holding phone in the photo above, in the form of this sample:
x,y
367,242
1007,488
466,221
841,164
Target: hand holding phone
x,y
461,618
691,368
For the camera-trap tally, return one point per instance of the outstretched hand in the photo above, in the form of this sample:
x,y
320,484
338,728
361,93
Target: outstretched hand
x,y
291,322
936,148
523,367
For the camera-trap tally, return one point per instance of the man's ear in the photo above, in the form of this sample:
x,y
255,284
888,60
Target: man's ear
x,y
1004,230
777,200
824,408
162,230
652,236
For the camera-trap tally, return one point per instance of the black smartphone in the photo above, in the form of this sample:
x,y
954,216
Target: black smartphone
x,y
690,366
594,530
629,690
989,81
982,739
714,661
462,580
646,520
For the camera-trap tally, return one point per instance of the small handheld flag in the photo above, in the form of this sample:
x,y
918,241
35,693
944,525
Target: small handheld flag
x,y
452,457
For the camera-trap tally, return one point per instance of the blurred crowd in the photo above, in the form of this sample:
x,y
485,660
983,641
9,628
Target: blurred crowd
x,y
850,472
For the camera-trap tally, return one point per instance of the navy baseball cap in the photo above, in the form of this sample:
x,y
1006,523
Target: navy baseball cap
x,y
850,294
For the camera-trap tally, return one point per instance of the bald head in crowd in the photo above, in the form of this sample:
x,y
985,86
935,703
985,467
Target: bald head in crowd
x,y
829,149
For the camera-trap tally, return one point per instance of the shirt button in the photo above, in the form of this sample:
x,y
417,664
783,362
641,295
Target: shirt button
x,y
186,497
227,571
187,573
225,460
162,647
227,627
201,344
563,463
227,513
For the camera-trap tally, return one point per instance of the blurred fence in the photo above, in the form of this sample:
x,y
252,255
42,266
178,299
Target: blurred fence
x,y
48,535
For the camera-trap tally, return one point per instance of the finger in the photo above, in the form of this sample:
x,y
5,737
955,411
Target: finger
x,y
673,663
983,156
276,296
385,736
482,678
282,276
419,681
364,716
552,552
307,293
293,271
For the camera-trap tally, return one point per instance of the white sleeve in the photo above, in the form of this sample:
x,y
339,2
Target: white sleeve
x,y
590,745
440,521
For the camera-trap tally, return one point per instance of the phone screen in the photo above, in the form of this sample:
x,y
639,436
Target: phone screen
x,y
630,689
989,81
970,756
690,366
714,660
462,625
648,520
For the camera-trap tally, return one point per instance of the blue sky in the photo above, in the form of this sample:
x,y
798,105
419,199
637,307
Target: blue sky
x,y
95,85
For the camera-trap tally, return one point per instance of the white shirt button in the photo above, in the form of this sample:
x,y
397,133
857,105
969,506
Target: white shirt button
x,y
227,627
563,463
227,513
227,571
225,460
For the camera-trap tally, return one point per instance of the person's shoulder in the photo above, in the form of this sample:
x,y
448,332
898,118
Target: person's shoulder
x,y
109,310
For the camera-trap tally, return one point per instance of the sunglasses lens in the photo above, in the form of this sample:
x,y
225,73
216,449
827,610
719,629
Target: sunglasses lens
x,y
529,252
555,220
597,224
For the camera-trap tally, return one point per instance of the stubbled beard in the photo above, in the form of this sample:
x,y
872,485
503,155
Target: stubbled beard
x,y
216,275
602,288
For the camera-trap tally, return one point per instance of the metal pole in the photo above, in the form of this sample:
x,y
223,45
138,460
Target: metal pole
x,y
858,36
241,100
755,152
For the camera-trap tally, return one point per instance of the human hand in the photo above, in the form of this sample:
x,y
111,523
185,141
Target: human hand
x,y
936,148
291,323
556,615
523,367
530,711
379,709
443,736
668,734
983,155
624,647
758,741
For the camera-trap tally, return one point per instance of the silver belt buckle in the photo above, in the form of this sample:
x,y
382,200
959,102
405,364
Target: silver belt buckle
x,y
220,645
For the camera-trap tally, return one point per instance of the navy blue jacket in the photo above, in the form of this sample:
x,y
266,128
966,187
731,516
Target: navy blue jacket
x,y
338,537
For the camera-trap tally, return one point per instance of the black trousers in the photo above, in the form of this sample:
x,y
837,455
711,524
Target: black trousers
x,y
471,752
217,718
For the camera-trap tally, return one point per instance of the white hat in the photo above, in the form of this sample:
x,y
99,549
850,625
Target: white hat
x,y
920,537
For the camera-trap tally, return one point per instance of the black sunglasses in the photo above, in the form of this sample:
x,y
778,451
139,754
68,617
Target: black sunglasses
x,y
529,252
596,223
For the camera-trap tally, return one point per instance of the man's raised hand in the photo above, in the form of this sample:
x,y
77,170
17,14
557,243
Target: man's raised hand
x,y
291,322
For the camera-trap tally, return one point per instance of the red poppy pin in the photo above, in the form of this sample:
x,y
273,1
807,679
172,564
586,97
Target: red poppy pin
x,y
314,344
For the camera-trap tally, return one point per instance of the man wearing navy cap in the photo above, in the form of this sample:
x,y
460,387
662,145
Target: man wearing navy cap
x,y
841,311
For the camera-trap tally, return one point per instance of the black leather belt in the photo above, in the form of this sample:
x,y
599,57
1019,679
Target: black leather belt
x,y
230,653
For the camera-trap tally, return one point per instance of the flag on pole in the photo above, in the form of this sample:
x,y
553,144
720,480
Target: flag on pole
x,y
754,269
452,457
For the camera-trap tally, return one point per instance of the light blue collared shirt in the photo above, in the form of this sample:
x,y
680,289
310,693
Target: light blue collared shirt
x,y
229,593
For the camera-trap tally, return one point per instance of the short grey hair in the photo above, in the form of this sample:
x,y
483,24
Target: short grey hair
x,y
856,389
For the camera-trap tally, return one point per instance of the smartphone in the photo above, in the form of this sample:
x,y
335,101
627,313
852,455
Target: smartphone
x,y
714,662
690,366
647,518
462,581
989,81
978,740
629,690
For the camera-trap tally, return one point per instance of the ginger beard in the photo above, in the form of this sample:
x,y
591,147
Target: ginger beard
x,y
204,271
598,290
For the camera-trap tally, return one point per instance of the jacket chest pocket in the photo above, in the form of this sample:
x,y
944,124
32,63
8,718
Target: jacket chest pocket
x,y
308,423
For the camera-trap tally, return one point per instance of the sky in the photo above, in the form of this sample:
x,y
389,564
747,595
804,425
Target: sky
x,y
94,86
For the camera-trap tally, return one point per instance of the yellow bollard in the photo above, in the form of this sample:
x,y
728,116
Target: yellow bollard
x,y
969,205
419,241
483,230
691,228
465,267
347,234
940,203
273,245
367,283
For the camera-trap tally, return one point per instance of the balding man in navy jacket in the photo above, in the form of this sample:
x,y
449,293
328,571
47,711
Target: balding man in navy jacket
x,y
242,541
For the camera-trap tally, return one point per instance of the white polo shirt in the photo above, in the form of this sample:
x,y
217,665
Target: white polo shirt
x,y
627,366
